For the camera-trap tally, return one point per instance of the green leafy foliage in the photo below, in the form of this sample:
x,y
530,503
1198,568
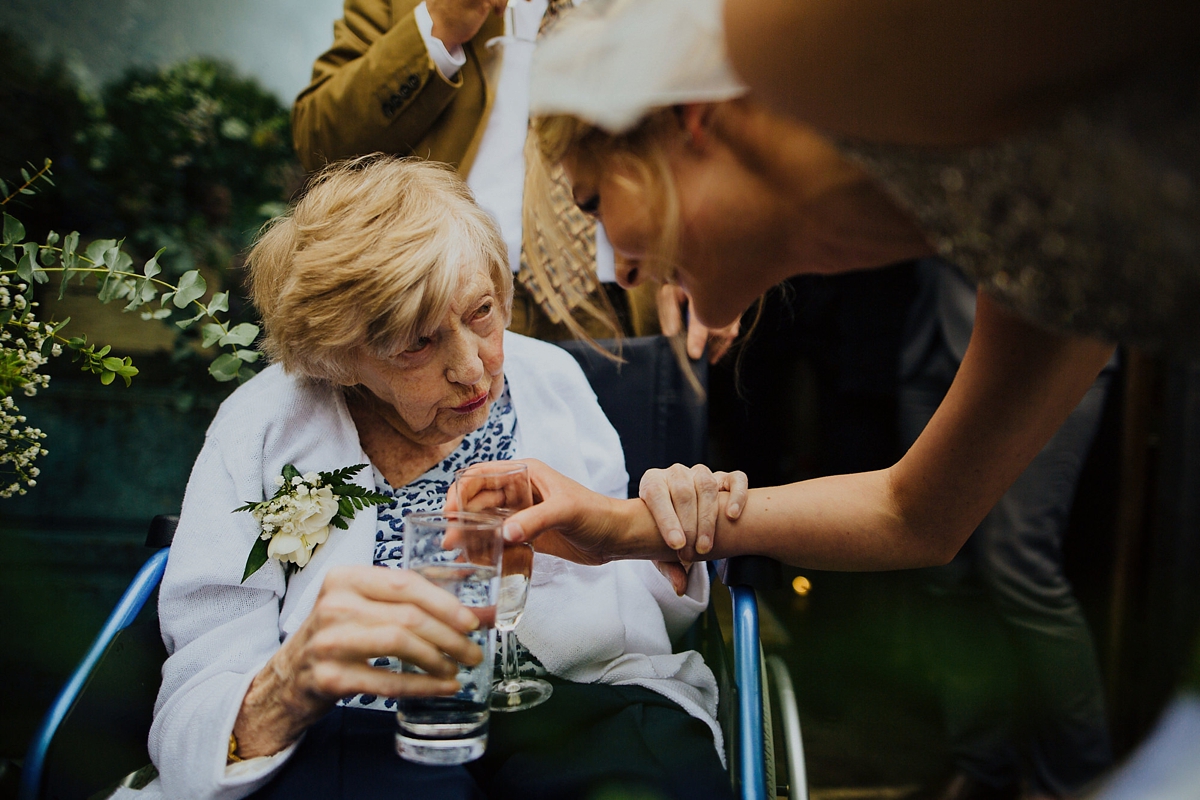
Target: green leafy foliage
x,y
191,288
192,153
113,267
181,164
258,557
26,342
193,158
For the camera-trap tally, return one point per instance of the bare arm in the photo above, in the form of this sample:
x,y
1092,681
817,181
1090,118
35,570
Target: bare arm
x,y
939,71
1015,387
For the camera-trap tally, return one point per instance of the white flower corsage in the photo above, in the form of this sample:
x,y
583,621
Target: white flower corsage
x,y
297,519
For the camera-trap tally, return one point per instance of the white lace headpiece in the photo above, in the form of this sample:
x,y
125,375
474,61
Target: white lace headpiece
x,y
609,62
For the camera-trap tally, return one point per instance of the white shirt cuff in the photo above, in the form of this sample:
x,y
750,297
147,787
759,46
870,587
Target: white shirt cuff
x,y
447,62
250,769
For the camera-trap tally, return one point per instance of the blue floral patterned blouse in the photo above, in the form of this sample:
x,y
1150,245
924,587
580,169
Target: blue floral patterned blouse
x,y
492,441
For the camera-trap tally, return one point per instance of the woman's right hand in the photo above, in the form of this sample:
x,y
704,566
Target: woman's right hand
x,y
361,613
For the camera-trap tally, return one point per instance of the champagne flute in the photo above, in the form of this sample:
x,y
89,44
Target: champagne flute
x,y
503,488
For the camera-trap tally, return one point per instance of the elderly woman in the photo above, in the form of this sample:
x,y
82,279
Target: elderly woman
x,y
384,296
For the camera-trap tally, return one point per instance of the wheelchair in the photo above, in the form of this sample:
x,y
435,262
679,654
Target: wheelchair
x,y
96,728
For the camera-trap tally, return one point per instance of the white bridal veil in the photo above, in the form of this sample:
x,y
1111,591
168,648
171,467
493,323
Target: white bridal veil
x,y
610,61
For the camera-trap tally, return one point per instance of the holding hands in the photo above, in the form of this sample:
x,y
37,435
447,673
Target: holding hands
x,y
684,503
673,522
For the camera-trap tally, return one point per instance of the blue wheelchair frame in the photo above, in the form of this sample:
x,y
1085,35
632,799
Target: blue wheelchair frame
x,y
676,426
748,674
140,589
747,665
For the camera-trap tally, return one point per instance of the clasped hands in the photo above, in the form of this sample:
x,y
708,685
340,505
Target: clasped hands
x,y
685,503
672,522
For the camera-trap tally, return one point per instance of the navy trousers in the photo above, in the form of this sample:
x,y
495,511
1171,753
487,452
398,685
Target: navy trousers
x,y
1011,653
587,741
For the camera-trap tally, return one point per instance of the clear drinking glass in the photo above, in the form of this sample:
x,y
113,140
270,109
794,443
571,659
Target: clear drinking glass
x,y
461,553
503,487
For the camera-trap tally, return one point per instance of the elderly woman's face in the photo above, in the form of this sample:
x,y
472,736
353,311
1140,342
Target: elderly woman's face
x,y
441,386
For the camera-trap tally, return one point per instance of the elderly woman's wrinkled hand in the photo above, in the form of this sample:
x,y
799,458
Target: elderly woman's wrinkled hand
x,y
684,503
361,613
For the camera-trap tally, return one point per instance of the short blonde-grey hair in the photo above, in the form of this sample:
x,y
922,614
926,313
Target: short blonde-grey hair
x,y
370,257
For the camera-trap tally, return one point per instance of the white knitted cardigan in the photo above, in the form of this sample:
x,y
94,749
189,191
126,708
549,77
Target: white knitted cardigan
x,y
611,624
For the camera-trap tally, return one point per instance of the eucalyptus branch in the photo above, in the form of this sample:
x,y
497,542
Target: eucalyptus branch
x,y
42,174
105,258
26,343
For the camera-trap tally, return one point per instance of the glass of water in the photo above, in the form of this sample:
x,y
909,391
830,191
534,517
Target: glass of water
x,y
460,552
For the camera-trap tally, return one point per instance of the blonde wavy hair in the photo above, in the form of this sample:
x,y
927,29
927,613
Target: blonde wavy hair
x,y
640,152
371,257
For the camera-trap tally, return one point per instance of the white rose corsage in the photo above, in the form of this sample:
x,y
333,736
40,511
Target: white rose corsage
x,y
297,519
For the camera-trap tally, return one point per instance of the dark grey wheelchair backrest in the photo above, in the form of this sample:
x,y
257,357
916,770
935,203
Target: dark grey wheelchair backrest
x,y
162,530
659,416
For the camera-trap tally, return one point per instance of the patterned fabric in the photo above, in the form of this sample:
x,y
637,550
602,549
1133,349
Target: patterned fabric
x,y
493,441
570,269
1089,224
568,253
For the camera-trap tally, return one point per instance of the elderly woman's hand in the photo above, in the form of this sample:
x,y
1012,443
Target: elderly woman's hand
x,y
684,503
361,613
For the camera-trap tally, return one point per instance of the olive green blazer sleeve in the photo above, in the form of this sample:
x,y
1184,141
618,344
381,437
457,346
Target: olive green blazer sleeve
x,y
377,90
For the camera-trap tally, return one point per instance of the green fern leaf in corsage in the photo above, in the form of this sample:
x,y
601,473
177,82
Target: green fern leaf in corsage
x,y
297,519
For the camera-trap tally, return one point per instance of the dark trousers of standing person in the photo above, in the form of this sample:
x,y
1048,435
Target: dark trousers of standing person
x,y
588,741
1013,661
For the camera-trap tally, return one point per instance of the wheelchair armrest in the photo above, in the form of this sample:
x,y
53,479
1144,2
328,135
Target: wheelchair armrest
x,y
126,610
757,572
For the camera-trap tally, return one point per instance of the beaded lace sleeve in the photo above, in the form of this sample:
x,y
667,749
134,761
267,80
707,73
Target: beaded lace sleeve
x,y
1089,224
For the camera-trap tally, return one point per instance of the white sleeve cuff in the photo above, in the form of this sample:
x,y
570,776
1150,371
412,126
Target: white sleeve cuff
x,y
678,611
447,62
254,772
252,769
